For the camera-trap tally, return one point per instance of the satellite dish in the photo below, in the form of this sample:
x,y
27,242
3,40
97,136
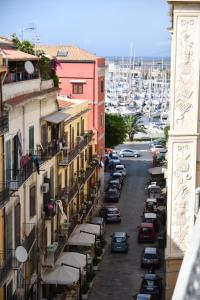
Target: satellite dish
x,y
21,254
29,67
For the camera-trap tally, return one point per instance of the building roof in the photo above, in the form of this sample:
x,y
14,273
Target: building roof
x,y
5,42
64,103
57,117
67,53
14,54
19,100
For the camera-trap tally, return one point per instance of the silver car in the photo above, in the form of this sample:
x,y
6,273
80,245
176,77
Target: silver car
x,y
129,153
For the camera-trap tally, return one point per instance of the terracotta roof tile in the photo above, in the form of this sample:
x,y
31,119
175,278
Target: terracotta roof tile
x,y
73,53
64,103
13,54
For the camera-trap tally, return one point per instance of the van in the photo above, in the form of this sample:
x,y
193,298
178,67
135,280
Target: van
x,y
146,233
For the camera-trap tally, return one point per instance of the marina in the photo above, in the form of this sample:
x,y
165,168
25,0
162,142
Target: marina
x,y
139,86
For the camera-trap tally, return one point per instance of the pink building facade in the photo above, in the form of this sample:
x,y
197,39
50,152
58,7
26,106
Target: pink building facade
x,y
85,80
82,76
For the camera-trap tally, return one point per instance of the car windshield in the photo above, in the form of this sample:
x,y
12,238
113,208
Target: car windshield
x,y
112,192
119,239
149,283
150,255
113,212
147,230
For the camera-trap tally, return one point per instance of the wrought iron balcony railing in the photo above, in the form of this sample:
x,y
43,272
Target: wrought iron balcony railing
x,y
68,193
5,194
8,262
30,236
69,155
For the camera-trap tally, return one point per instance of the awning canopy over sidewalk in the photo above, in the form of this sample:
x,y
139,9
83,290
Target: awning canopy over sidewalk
x,y
61,275
157,171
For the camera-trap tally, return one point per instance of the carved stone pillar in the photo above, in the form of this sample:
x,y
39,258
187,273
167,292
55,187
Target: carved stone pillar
x,y
183,135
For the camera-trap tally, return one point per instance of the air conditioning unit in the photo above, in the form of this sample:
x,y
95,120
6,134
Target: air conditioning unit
x,y
44,188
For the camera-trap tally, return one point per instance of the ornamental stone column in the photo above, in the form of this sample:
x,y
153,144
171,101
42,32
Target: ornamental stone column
x,y
183,143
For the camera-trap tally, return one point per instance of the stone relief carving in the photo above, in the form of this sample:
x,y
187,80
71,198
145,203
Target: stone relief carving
x,y
185,72
182,192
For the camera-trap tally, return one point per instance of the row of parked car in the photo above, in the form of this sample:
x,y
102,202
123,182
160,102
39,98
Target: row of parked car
x,y
153,218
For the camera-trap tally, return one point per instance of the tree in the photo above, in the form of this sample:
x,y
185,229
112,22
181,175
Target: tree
x,y
47,66
166,133
133,126
115,130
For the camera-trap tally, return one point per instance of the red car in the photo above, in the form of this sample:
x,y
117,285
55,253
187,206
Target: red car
x,y
146,233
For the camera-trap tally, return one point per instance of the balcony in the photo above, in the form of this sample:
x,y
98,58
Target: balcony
x,y
8,262
90,169
68,193
30,236
49,209
82,142
12,89
4,195
3,122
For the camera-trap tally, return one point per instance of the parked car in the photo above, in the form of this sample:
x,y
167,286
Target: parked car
x,y
151,218
121,169
119,176
152,284
114,184
113,162
99,221
113,156
155,142
151,205
146,233
111,214
150,258
142,297
158,148
112,195
119,242
129,153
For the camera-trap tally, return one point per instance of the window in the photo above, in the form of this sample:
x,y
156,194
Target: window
x,y
31,139
17,224
77,88
32,201
101,119
102,86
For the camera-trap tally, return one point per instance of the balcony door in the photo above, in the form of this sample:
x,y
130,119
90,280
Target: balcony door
x,y
8,161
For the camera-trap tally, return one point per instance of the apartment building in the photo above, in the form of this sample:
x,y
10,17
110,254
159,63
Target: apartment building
x,y
183,148
82,75
50,183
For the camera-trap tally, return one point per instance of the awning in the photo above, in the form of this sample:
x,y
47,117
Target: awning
x,y
91,228
156,171
61,275
72,258
57,117
81,239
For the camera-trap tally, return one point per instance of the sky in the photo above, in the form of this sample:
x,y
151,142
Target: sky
x,y
102,27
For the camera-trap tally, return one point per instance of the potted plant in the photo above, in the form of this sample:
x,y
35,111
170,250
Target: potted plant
x,y
89,277
98,252
84,290
95,263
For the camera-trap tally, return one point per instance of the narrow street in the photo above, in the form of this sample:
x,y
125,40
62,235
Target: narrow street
x,y
119,275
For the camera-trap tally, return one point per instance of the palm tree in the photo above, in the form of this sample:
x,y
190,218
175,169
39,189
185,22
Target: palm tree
x,y
133,126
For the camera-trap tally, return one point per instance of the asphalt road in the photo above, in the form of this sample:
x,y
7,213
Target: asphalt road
x,y
119,275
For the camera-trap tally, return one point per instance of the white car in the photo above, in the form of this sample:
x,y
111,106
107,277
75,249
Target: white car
x,y
158,148
129,153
